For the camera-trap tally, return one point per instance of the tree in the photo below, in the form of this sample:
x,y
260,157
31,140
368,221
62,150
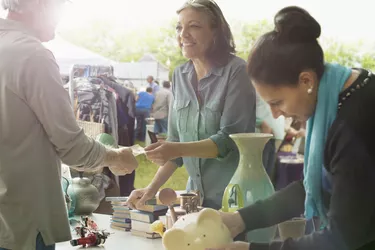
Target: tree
x,y
246,34
168,49
368,61
341,53
127,46
348,54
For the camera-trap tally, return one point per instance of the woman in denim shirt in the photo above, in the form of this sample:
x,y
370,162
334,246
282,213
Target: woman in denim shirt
x,y
213,97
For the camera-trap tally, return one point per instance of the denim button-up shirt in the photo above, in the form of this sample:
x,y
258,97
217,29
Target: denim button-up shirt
x,y
226,106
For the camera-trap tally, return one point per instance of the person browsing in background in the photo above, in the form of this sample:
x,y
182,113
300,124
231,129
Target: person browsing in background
x,y
152,84
38,131
143,105
160,108
213,98
295,132
266,123
288,70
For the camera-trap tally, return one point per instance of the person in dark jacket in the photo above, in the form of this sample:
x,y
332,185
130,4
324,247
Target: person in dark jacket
x,y
288,70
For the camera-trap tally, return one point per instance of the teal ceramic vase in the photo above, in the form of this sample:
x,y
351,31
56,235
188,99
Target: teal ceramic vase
x,y
250,182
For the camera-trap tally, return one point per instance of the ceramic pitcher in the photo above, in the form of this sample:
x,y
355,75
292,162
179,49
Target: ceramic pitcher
x,y
86,196
250,182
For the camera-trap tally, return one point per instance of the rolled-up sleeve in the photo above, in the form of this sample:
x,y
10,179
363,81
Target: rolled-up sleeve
x,y
238,113
45,94
172,125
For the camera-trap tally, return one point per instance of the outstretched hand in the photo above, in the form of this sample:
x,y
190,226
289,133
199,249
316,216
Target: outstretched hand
x,y
121,161
162,152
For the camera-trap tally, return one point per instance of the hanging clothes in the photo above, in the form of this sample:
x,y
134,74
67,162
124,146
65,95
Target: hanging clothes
x,y
126,124
125,111
96,99
99,101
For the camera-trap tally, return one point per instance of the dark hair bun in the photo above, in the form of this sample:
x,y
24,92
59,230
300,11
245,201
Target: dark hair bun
x,y
296,25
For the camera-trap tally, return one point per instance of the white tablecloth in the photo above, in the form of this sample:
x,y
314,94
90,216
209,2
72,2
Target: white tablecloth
x,y
118,240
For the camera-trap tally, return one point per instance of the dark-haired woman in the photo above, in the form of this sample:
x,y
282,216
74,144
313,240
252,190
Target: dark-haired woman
x,y
288,70
213,97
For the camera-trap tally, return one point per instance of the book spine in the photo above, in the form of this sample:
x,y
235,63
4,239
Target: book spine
x,y
120,228
121,220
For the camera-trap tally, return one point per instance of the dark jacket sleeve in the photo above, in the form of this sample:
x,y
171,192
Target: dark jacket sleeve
x,y
352,205
267,212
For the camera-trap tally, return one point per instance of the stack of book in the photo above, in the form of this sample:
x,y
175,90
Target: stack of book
x,y
120,219
142,219
139,221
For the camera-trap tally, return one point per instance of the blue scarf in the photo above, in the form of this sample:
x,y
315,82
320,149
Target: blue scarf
x,y
330,86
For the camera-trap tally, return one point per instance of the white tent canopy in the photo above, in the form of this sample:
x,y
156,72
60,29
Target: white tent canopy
x,y
67,55
137,72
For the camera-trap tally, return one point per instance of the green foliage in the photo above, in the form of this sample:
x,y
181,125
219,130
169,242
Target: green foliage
x,y
168,49
127,46
344,54
368,61
348,54
246,34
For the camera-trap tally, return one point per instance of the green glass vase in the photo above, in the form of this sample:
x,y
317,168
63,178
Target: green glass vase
x,y
250,182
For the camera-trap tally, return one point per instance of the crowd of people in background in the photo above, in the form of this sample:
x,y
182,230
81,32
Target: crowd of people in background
x,y
153,105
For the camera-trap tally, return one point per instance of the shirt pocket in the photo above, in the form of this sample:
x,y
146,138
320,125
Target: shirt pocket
x,y
212,117
182,111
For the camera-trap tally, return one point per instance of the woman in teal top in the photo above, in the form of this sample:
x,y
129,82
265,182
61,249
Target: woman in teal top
x,y
213,97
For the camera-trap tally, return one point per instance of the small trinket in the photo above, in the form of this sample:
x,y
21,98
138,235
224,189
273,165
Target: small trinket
x,y
89,234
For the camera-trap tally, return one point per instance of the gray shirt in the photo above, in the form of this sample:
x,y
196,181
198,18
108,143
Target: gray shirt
x,y
37,129
160,108
227,106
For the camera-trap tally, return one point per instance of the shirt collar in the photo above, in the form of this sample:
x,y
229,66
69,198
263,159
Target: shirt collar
x,y
189,67
11,25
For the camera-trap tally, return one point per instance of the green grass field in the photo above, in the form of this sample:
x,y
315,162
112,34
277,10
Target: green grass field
x,y
146,171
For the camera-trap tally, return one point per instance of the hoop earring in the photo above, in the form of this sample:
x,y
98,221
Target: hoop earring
x,y
309,91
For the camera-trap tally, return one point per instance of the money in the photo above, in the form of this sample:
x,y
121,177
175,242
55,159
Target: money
x,y
137,150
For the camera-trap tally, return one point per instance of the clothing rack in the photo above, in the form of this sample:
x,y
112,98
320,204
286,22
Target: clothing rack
x,y
124,106
86,70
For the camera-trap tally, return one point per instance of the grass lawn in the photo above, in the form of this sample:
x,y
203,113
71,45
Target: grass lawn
x,y
146,171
